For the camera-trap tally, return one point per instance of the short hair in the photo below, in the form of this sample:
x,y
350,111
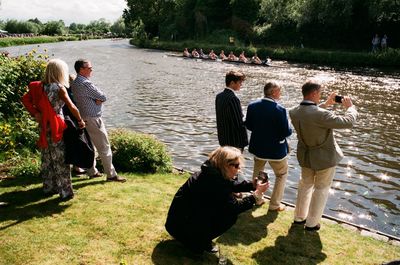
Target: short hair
x,y
56,72
309,87
234,76
221,157
269,88
79,64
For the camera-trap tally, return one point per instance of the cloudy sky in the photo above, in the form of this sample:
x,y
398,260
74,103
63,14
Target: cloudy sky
x,y
78,11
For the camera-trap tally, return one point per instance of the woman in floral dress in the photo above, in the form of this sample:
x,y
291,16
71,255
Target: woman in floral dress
x,y
44,101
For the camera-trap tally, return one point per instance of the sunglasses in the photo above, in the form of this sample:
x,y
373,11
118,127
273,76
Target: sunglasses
x,y
237,165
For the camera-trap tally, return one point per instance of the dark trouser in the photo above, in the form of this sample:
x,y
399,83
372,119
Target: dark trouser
x,y
198,235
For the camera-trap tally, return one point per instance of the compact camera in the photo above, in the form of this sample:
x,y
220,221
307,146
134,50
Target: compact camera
x,y
263,176
338,99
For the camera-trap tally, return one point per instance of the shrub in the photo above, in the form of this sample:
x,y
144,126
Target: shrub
x,y
137,152
18,133
28,167
17,130
15,75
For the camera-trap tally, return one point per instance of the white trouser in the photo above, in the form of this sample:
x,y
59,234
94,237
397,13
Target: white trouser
x,y
280,169
312,194
99,137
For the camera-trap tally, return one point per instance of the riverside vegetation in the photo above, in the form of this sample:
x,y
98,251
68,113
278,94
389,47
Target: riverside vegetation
x,y
389,58
109,223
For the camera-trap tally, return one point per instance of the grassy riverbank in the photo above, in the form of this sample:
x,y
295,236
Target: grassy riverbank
x,y
114,223
14,41
389,58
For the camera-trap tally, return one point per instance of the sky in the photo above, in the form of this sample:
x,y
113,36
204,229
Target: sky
x,y
78,11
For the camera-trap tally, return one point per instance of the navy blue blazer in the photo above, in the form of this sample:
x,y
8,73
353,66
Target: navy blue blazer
x,y
230,125
269,126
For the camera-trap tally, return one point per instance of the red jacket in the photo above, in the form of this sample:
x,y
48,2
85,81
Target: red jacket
x,y
37,101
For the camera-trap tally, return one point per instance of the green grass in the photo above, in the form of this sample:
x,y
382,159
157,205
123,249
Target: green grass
x,y
114,223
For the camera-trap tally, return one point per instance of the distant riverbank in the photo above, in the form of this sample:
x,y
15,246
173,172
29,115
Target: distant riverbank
x,y
15,41
389,58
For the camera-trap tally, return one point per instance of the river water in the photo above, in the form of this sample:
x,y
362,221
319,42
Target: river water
x,y
173,98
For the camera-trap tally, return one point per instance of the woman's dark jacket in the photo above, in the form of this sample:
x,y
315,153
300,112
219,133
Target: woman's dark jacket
x,y
205,207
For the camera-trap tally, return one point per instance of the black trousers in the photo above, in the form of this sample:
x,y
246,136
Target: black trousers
x,y
197,236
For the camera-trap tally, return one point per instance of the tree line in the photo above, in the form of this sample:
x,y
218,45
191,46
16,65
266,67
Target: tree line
x,y
51,28
339,24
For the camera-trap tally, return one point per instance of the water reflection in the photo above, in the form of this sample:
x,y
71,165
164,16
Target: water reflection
x,y
174,100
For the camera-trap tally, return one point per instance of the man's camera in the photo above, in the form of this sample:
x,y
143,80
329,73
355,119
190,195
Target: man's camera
x,y
338,99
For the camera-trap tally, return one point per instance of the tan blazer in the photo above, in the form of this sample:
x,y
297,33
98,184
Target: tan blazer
x,y
316,147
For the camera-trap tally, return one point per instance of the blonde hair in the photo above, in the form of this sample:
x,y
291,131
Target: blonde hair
x,y
223,156
56,72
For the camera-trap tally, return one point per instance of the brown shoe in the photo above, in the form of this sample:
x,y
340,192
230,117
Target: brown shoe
x,y
117,179
97,175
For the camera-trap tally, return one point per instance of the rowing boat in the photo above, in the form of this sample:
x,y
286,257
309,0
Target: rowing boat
x,y
219,60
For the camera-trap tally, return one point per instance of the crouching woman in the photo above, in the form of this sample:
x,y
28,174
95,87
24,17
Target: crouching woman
x,y
205,207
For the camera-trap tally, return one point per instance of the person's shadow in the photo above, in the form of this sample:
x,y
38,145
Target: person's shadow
x,y
173,252
248,229
297,247
25,203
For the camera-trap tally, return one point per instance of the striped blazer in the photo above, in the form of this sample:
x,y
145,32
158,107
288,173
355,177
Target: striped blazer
x,y
230,125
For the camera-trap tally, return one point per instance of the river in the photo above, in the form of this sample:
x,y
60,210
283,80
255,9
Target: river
x,y
173,98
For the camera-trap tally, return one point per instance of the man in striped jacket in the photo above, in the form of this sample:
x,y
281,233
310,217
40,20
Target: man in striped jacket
x,y
230,125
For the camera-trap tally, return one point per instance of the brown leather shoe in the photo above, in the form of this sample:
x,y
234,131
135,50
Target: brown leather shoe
x,y
117,179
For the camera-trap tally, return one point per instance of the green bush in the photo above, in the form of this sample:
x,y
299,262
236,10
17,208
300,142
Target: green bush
x,y
28,167
17,130
137,152
15,75
17,134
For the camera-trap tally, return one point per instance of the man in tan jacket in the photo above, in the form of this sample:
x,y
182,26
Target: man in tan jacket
x,y
317,151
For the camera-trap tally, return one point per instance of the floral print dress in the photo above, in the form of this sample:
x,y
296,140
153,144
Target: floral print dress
x,y
55,173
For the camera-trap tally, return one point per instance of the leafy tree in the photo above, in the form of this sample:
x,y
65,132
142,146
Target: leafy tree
x,y
73,27
244,14
54,28
14,26
118,28
35,20
100,26
151,13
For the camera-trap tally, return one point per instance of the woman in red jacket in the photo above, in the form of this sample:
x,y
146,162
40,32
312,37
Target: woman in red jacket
x,y
44,101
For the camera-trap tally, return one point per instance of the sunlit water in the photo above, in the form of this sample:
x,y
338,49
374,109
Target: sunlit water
x,y
173,99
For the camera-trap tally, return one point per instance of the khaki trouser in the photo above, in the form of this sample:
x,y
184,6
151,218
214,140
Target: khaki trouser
x,y
280,169
312,194
99,137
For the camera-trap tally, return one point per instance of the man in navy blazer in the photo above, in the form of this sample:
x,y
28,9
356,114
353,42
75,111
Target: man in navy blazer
x,y
269,126
230,125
